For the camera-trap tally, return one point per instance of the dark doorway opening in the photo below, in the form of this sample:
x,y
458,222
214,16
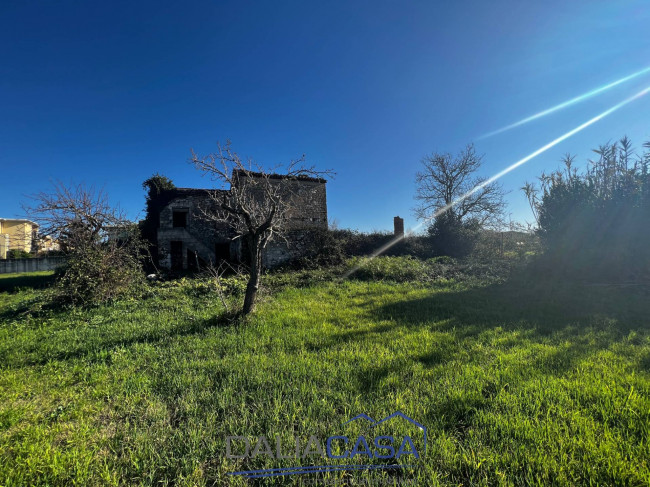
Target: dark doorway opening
x,y
177,255
221,251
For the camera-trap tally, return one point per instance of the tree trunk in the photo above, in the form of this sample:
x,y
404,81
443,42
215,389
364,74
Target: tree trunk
x,y
253,285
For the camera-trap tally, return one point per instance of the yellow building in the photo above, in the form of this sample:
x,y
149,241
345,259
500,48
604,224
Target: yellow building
x,y
17,234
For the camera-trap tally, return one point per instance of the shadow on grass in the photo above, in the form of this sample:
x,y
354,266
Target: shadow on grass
x,y
94,346
557,326
29,281
39,305
570,321
545,307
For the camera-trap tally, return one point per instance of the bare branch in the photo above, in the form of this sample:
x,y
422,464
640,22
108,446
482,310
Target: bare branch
x,y
74,215
258,204
444,178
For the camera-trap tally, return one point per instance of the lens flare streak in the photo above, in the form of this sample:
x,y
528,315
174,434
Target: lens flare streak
x,y
499,175
565,104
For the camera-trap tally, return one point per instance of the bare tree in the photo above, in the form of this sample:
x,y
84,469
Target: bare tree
x,y
444,178
75,216
103,248
258,206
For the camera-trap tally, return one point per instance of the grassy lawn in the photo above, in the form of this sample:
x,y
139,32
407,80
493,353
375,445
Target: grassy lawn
x,y
518,383
13,282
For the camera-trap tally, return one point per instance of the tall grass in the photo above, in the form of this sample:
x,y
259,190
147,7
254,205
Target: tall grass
x,y
519,383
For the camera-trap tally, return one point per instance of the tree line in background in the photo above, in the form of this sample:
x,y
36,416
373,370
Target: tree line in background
x,y
593,223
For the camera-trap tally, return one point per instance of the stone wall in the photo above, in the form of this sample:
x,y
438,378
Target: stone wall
x,y
310,206
201,237
308,197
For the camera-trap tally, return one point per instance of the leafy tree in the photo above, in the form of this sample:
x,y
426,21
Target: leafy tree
x,y
155,186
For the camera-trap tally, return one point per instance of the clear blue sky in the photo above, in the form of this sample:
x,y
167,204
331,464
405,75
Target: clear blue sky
x,y
109,93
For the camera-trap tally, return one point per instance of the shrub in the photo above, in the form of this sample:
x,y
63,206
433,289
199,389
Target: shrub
x,y
18,254
354,243
323,249
443,259
442,268
596,224
449,236
328,248
398,269
97,273
103,249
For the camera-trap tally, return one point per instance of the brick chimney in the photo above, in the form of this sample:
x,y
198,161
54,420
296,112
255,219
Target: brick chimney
x,y
398,224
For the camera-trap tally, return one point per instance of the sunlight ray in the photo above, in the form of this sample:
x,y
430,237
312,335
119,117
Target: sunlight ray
x,y
567,103
499,175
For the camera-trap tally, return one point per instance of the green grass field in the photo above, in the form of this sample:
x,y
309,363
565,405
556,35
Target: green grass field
x,y
518,383
15,282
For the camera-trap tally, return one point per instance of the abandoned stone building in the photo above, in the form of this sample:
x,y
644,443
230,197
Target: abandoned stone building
x,y
186,240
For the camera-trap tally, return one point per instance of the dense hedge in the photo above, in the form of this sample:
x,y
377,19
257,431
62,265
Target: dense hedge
x,y
596,224
333,247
